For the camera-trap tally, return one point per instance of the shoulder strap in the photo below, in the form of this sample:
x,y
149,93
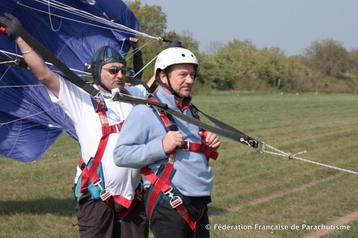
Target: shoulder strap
x,y
90,174
166,119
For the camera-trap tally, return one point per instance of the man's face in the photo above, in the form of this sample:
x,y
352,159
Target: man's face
x,y
113,75
182,78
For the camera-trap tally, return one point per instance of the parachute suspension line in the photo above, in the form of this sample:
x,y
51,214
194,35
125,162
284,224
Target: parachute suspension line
x,y
50,18
8,62
9,54
74,11
145,66
29,116
78,21
274,151
23,86
6,53
130,54
67,18
122,45
2,76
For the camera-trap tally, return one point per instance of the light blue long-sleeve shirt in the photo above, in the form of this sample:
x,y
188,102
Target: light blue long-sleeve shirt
x,y
140,145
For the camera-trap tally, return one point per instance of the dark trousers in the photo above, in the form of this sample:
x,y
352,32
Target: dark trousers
x,y
96,219
135,224
166,221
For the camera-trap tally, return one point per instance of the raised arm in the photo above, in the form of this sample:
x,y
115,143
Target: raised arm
x,y
36,64
38,67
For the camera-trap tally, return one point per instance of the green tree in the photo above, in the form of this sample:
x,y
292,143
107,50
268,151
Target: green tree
x,y
154,22
329,57
353,55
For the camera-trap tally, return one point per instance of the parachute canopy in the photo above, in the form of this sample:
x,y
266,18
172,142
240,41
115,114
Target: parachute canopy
x,y
72,30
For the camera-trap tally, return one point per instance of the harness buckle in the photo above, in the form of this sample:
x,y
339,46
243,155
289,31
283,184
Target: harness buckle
x,y
98,183
105,195
187,145
174,201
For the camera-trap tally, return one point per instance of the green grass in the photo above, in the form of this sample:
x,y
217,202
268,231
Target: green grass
x,y
250,188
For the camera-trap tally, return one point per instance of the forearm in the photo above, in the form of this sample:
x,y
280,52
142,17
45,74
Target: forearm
x,y
138,156
38,66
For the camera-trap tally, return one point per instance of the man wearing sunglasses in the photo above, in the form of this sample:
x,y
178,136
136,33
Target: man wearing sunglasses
x,y
108,204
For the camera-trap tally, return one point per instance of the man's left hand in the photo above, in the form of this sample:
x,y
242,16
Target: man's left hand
x,y
212,140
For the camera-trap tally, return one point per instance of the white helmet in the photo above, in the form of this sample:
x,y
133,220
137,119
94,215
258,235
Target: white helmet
x,y
174,55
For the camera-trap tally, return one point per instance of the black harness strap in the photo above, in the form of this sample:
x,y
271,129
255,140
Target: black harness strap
x,y
231,134
50,57
228,132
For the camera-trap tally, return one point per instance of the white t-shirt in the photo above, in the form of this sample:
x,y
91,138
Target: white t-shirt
x,y
78,105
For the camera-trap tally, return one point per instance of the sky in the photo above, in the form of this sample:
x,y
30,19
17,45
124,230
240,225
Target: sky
x,y
291,25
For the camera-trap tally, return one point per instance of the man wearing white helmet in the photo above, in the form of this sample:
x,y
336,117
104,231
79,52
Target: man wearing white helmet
x,y
173,154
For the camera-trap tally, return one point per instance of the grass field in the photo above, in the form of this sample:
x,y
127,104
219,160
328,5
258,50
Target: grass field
x,y
252,191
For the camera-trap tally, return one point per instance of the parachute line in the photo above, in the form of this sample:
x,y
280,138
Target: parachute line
x,y
9,54
50,18
113,25
2,76
23,86
29,116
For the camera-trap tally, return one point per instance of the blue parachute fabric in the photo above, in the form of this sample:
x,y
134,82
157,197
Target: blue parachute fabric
x,y
29,121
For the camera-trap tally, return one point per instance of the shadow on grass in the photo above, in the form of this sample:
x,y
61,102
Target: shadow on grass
x,y
64,207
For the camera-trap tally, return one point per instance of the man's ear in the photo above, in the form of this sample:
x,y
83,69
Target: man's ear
x,y
163,77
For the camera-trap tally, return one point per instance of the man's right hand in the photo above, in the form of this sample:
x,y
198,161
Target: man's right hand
x,y
12,25
171,140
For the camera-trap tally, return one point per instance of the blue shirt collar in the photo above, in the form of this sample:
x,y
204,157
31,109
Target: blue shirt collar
x,y
168,98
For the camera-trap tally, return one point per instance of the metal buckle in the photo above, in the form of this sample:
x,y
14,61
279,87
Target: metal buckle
x,y
174,201
187,145
105,195
98,183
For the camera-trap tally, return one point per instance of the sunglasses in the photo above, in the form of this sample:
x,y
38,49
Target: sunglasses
x,y
115,69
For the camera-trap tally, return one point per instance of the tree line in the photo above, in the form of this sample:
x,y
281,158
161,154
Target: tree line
x,y
324,66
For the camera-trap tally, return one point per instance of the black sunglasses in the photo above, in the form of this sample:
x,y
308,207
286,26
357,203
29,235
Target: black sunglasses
x,y
115,69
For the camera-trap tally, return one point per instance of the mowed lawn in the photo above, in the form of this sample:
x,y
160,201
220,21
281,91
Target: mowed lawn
x,y
255,195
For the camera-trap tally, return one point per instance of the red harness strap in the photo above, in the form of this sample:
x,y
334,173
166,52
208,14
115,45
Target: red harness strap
x,y
200,148
163,183
90,174
128,204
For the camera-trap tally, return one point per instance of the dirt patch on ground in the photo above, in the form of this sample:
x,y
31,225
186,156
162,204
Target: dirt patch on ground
x,y
346,219
285,193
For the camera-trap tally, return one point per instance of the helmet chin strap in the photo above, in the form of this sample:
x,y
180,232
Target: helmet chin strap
x,y
169,86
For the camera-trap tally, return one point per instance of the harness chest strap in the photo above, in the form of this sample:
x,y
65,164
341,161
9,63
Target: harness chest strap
x,y
188,145
90,174
163,183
